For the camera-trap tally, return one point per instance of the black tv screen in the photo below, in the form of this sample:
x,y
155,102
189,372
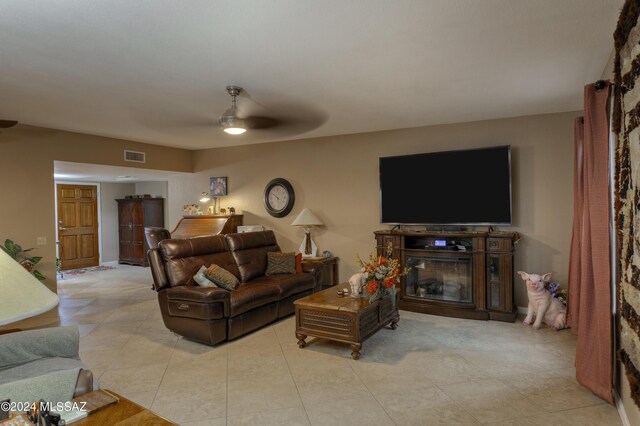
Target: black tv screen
x,y
447,188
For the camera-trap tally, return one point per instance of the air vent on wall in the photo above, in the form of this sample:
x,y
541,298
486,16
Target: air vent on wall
x,y
134,156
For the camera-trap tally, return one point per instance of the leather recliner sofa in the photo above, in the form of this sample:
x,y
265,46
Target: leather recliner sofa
x,y
209,314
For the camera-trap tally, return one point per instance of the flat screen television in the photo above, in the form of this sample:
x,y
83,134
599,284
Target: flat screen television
x,y
468,187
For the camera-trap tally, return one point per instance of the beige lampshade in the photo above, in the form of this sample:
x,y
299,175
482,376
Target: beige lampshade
x,y
23,296
307,218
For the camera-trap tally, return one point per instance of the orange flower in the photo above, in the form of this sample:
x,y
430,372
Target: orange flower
x,y
389,282
372,287
382,260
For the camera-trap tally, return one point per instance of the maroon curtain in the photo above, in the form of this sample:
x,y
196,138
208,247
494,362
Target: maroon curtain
x,y
589,301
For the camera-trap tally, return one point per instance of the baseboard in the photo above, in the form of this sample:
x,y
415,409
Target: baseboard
x,y
112,263
621,411
522,310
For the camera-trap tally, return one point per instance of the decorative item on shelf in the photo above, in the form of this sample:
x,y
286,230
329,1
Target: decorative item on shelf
x,y
190,209
232,210
18,254
307,219
381,274
210,210
326,253
223,211
127,197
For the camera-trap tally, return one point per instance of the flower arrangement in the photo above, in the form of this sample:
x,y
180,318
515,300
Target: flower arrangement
x,y
554,289
380,275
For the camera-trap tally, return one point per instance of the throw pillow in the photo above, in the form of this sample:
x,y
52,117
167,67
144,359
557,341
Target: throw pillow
x,y
280,263
221,277
299,262
202,280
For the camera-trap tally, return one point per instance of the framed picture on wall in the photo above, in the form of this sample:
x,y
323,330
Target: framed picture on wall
x,y
218,186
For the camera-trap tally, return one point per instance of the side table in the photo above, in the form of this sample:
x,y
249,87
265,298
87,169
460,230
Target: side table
x,y
329,269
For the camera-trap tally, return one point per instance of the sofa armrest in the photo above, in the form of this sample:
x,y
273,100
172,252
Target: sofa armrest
x,y
26,346
200,295
313,268
156,263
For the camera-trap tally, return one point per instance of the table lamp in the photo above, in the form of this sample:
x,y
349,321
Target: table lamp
x,y
307,219
23,296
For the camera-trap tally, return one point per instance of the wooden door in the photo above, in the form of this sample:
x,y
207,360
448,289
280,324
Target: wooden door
x,y
78,225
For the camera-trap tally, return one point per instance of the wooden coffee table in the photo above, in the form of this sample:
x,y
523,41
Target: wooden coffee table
x,y
343,318
123,413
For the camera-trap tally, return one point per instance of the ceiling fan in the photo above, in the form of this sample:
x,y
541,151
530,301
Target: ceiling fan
x,y
233,122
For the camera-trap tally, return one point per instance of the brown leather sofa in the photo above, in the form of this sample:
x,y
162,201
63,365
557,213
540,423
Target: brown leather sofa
x,y
210,314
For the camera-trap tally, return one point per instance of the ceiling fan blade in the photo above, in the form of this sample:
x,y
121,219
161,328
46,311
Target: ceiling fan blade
x,y
257,122
5,124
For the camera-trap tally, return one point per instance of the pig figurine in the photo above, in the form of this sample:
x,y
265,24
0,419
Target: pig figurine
x,y
541,304
356,282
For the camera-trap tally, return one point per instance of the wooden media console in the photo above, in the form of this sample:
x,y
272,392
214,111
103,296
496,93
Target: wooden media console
x,y
465,274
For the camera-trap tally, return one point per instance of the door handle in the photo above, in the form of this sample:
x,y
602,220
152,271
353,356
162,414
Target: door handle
x,y
62,229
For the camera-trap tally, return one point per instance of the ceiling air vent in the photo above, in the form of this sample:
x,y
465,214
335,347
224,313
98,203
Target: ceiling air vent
x,y
134,156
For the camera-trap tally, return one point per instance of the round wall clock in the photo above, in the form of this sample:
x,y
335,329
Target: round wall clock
x,y
279,197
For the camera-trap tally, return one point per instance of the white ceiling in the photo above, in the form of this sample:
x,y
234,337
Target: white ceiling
x,y
155,71
65,170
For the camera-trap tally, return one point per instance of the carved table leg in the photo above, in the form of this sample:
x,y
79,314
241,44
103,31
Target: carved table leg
x,y
355,351
394,322
301,342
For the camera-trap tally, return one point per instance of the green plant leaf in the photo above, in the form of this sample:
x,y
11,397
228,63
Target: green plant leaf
x,y
34,259
12,247
29,249
38,275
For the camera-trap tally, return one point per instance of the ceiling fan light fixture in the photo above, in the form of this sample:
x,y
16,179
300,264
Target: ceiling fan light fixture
x,y
235,130
229,121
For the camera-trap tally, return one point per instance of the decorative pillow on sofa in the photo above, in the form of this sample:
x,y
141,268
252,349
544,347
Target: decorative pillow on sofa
x,y
202,280
280,263
221,277
299,262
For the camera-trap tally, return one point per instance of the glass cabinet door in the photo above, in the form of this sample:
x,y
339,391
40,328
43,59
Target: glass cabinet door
x,y
439,278
494,281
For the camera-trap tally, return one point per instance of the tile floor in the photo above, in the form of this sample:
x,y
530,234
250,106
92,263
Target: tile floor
x,y
431,370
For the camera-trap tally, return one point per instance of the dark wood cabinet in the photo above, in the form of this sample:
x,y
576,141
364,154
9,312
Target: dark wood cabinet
x,y
133,215
459,274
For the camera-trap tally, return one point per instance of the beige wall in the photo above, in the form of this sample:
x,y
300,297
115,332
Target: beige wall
x,y
109,237
26,172
337,178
